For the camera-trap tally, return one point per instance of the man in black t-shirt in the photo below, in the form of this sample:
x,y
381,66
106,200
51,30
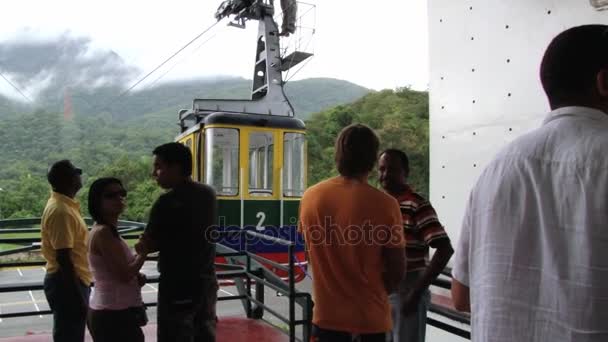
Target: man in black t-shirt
x,y
181,228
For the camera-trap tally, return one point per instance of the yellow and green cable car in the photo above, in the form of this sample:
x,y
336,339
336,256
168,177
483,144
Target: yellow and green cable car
x,y
253,152
257,166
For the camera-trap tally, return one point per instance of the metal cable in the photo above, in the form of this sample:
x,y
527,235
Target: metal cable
x,y
15,87
168,59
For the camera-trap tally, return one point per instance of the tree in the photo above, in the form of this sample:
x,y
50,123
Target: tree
x,y
24,197
399,117
104,145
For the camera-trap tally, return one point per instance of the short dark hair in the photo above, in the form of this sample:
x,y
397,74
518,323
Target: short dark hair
x,y
356,150
60,174
402,156
175,153
96,192
572,61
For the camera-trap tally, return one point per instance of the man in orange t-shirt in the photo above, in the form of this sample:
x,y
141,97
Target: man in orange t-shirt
x,y
355,242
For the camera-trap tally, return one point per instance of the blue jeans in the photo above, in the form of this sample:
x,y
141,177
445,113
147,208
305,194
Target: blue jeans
x,y
410,328
69,316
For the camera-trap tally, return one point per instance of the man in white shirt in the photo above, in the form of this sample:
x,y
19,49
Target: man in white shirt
x,y
532,261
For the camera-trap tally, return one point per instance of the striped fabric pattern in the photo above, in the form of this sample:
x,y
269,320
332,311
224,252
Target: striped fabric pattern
x,y
422,228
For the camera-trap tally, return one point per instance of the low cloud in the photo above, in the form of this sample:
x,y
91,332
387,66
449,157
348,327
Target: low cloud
x,y
46,66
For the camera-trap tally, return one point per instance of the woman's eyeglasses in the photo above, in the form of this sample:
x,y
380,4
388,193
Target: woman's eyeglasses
x,y
115,194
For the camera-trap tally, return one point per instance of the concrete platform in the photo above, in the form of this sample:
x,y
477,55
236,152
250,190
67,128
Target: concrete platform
x,y
229,329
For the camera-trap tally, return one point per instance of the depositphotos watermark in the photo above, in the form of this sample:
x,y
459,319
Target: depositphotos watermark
x,y
327,233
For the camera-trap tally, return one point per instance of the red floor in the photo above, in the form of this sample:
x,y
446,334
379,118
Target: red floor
x,y
230,329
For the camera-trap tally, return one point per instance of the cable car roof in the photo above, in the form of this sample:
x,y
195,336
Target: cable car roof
x,y
244,119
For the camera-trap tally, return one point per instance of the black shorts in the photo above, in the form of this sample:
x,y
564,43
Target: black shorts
x,y
326,335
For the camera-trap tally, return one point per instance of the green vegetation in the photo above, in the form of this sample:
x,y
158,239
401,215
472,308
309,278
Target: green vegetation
x,y
106,146
399,117
100,146
8,246
307,96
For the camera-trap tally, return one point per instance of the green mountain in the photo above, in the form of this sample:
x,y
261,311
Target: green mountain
x,y
399,117
94,79
113,135
105,146
11,107
307,96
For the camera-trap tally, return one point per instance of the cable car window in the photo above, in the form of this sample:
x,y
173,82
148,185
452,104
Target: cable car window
x,y
261,156
294,164
200,158
222,160
188,144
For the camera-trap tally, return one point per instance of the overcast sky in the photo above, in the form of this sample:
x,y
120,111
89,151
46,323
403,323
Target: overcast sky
x,y
378,44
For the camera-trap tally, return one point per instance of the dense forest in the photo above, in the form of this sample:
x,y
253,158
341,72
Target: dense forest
x,y
399,117
104,144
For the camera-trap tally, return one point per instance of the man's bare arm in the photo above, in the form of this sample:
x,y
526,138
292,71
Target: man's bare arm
x,y
394,266
440,259
460,296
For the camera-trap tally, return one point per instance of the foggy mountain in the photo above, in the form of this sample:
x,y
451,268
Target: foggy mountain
x,y
48,70
47,66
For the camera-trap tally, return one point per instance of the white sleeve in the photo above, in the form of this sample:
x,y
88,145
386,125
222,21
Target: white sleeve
x,y
461,270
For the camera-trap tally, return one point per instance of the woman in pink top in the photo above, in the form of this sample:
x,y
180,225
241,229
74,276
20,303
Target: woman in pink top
x,y
116,300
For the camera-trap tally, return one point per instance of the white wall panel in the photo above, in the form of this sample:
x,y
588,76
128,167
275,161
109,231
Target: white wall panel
x,y
484,84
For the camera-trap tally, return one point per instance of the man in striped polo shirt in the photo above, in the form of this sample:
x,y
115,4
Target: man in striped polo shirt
x,y
422,230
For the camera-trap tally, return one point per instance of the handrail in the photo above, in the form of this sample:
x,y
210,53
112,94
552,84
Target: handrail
x,y
444,284
269,238
23,221
449,328
252,269
28,222
39,285
22,264
448,313
451,314
19,230
19,250
242,265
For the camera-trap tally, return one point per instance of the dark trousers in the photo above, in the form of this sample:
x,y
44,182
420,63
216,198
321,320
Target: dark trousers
x,y
114,326
326,335
190,319
69,315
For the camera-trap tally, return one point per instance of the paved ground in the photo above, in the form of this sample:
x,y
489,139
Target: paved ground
x,y
36,301
228,329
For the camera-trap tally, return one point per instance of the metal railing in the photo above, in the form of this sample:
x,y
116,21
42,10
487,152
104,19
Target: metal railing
x,y
448,313
246,269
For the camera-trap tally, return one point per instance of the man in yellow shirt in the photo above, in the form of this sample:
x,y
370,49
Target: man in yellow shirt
x,y
64,246
355,242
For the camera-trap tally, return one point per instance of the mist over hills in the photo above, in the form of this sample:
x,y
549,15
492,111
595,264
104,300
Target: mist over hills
x,y
111,135
105,131
49,70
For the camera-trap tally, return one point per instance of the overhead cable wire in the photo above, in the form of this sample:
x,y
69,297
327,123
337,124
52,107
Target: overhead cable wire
x,y
106,106
296,38
168,59
287,78
301,67
15,87
176,64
